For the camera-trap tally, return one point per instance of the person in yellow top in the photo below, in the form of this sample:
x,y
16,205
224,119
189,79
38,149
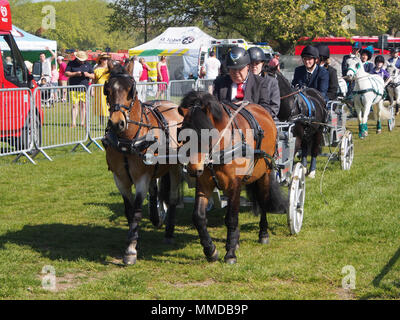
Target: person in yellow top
x,y
101,73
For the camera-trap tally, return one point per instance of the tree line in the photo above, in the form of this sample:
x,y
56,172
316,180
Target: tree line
x,y
122,24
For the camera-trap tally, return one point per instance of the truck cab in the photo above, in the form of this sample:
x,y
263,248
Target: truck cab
x,y
16,120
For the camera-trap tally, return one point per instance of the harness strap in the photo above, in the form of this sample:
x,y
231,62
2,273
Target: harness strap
x,y
309,103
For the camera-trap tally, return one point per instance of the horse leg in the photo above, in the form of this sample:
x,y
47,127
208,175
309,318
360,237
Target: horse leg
x,y
134,218
317,140
360,119
379,107
175,179
367,110
232,222
397,98
262,196
299,134
200,220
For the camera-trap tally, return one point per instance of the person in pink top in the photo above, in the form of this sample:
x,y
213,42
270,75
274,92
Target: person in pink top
x,y
54,82
62,79
162,76
143,78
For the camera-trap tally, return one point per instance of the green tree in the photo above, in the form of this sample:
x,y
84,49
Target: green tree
x,y
80,24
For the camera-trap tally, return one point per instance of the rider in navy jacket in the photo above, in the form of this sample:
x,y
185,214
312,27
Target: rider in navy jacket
x,y
312,75
366,55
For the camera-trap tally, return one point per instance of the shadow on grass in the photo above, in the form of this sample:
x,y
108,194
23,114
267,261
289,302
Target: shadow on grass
x,y
385,270
91,243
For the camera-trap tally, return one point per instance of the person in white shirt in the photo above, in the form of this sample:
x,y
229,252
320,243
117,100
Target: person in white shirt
x,y
212,66
137,69
46,64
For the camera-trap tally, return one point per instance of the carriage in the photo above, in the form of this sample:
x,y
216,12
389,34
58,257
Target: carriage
x,y
337,136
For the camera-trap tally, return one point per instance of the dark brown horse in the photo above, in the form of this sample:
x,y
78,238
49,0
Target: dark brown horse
x,y
202,111
132,128
305,107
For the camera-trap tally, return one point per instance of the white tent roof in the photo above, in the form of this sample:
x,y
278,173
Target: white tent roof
x,y
29,42
175,41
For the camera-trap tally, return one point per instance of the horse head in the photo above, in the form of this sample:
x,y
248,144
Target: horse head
x,y
201,111
120,90
393,71
354,66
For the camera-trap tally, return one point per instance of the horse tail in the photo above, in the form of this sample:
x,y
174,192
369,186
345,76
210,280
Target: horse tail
x,y
277,201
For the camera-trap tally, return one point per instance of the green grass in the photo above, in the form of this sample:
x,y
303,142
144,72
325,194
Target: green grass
x,y
68,214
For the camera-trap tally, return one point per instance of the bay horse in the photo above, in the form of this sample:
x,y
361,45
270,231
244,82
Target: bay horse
x,y
202,111
307,116
132,128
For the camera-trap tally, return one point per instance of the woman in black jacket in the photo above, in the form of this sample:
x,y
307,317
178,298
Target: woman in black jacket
x,y
324,55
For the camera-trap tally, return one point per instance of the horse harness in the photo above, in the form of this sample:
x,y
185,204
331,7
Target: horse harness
x,y
243,147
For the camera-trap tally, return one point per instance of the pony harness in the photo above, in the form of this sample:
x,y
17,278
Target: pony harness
x,y
138,144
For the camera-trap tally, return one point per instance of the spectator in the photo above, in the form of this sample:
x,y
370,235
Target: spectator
x,y
101,75
137,69
162,76
62,78
80,72
54,82
46,64
212,68
143,78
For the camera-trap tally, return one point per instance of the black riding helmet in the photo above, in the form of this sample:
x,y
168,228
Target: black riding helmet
x,y
256,54
379,59
310,51
237,58
323,51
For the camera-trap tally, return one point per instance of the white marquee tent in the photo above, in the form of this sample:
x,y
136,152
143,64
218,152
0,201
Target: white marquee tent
x,y
181,45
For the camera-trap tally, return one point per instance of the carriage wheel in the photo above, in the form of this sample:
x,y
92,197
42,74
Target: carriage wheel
x,y
297,193
347,150
392,120
158,209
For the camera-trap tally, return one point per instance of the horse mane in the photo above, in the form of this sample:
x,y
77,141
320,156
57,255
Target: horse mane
x,y
201,101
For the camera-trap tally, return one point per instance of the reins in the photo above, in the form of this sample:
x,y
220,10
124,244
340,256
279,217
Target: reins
x,y
291,94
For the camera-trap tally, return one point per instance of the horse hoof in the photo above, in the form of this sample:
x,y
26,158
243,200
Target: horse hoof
x,y
378,131
230,260
264,240
312,174
366,134
213,257
169,241
130,259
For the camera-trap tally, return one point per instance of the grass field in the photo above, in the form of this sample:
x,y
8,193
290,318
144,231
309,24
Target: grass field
x,y
69,215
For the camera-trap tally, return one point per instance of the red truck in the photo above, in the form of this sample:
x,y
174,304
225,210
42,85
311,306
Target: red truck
x,y
16,123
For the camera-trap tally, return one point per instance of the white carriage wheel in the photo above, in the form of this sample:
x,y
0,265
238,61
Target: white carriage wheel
x,y
347,150
392,120
297,193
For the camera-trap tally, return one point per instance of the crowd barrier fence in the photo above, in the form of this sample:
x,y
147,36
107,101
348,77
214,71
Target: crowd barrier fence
x,y
32,121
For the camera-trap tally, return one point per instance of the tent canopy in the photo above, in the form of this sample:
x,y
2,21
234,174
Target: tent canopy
x,y
182,46
175,41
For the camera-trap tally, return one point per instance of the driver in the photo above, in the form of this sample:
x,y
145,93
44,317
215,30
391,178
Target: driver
x,y
310,74
240,84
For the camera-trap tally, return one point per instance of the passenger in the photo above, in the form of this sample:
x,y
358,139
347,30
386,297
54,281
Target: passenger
x,y
324,60
378,69
258,59
366,55
356,48
394,57
242,85
311,75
